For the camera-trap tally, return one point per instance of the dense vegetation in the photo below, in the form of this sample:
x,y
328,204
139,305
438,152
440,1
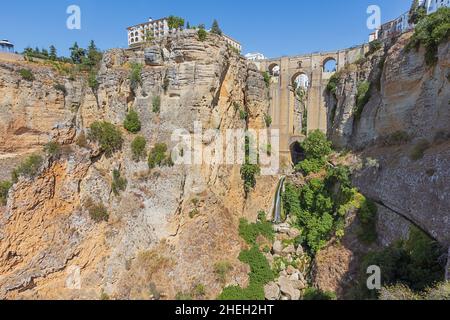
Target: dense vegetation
x,y
316,149
362,97
107,135
251,231
414,262
321,205
430,32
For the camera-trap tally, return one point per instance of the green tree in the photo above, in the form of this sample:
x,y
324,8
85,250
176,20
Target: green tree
x,y
135,76
316,145
175,22
77,54
53,53
132,122
215,29
138,148
107,135
202,34
93,57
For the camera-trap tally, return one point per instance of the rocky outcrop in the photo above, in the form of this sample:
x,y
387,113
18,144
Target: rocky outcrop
x,y
48,239
401,135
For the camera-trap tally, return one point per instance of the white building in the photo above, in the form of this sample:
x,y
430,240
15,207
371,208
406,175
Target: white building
x,y
434,5
401,24
153,28
233,43
255,56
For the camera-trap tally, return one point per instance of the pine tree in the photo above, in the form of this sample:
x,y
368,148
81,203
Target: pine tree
x,y
53,53
215,28
188,25
77,54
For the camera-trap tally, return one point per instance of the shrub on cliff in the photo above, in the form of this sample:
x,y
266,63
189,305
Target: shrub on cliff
x,y
4,189
419,149
362,97
251,231
97,211
26,74
52,149
156,104
138,148
202,34
132,123
135,76
159,157
28,168
119,183
107,135
316,145
430,32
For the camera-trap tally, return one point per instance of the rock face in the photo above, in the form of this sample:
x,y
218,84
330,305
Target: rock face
x,y
409,103
151,239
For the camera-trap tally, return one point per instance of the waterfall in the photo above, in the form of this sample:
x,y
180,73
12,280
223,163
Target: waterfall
x,y
277,202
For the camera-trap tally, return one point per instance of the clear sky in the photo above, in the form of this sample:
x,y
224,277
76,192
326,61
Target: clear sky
x,y
274,28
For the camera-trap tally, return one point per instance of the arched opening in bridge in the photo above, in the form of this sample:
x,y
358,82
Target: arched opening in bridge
x,y
300,80
297,153
274,70
329,65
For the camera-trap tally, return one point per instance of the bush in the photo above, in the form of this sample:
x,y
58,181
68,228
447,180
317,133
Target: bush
x,y
26,74
132,123
4,190
52,149
28,168
135,76
202,34
97,212
316,145
419,149
81,140
156,104
158,156
333,83
374,46
221,269
250,232
107,135
61,88
367,215
316,294
118,183
260,275
248,175
92,81
362,98
175,22
266,77
243,114
309,166
414,262
430,32
138,148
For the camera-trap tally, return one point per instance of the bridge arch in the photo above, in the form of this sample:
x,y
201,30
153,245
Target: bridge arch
x,y
329,65
300,79
274,69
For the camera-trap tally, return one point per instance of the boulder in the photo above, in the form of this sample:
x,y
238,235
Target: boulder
x,y
291,270
278,247
289,249
272,291
287,288
299,251
293,233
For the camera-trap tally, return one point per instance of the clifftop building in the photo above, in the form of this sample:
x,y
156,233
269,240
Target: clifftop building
x,y
156,29
255,56
153,28
6,46
401,24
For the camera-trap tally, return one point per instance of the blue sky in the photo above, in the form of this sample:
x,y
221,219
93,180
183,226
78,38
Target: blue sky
x,y
275,28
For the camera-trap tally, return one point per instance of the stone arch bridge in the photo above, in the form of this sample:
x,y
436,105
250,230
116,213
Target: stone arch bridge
x,y
297,93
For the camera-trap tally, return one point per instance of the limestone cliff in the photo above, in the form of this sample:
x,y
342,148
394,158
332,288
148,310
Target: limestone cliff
x,y
152,245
